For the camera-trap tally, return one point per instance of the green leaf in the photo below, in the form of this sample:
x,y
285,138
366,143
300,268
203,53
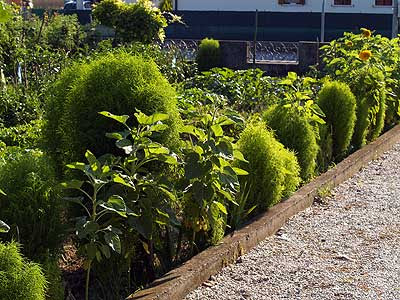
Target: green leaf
x,y
77,166
115,204
239,155
5,12
91,250
240,172
142,225
112,240
4,228
217,130
106,251
161,213
150,120
158,127
121,119
168,159
118,179
72,184
114,135
221,207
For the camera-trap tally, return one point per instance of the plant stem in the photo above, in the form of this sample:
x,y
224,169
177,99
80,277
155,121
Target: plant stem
x,y
87,281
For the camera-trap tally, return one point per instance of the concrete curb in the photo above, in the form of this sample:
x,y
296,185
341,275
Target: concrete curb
x,y
179,282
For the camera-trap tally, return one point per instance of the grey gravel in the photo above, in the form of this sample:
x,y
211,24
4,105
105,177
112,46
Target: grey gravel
x,y
345,247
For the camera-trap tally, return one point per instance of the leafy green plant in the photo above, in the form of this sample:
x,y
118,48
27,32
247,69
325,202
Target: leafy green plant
x,y
147,199
291,124
18,107
23,136
96,233
148,192
32,205
247,90
366,63
140,21
211,180
19,278
273,170
208,55
63,32
339,106
119,83
371,106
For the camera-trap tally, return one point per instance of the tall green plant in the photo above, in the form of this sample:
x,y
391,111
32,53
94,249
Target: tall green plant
x,y
211,180
145,202
32,205
291,124
273,170
208,55
339,106
140,21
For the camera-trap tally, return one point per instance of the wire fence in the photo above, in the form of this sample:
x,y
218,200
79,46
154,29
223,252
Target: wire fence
x,y
270,52
265,51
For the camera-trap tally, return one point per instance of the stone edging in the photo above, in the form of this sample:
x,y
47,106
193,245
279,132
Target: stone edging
x,y
179,282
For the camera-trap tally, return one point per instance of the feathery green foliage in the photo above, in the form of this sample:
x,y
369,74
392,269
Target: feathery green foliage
x,y
19,278
208,55
273,170
295,132
32,202
339,106
118,83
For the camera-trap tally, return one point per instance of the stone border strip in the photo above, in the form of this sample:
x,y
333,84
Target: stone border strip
x,y
179,282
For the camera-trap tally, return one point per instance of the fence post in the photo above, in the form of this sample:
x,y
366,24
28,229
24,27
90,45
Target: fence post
x,y
255,37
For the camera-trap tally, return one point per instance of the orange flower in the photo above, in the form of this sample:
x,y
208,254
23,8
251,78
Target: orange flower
x,y
365,55
366,32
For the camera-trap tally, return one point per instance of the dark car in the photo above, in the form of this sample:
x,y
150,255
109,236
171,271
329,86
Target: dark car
x,y
71,5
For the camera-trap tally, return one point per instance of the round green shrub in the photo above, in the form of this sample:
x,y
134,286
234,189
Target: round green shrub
x,y
118,83
273,170
294,131
19,278
339,106
32,205
208,55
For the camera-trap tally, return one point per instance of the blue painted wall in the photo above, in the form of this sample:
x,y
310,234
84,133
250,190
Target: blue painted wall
x,y
274,26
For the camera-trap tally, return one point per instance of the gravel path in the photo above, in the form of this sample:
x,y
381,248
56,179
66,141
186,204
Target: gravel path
x,y
345,247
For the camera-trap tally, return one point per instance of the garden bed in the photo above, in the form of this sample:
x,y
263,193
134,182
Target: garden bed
x,y
179,282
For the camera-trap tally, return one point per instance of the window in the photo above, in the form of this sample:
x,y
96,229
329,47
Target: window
x,y
383,2
341,2
302,2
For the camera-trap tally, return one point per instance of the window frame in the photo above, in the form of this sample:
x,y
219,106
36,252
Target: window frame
x,y
343,5
383,5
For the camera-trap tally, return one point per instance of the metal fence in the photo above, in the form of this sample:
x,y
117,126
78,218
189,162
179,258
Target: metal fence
x,y
273,52
265,51
183,49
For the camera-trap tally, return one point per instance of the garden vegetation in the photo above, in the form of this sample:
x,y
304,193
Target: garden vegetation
x,y
126,159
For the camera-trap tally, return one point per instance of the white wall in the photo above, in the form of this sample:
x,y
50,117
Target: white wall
x,y
358,6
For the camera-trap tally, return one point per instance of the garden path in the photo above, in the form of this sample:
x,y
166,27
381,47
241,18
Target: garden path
x,y
346,246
